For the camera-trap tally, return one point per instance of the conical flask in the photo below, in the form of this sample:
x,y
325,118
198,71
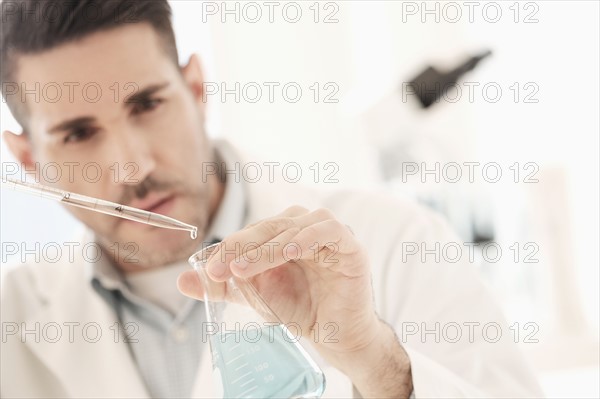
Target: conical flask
x,y
254,354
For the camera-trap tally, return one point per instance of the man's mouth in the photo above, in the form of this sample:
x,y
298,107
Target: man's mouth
x,y
155,202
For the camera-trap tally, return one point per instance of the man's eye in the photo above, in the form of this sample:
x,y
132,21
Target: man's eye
x,y
80,134
145,105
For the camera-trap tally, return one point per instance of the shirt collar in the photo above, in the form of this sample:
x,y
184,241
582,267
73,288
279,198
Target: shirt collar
x,y
230,217
231,214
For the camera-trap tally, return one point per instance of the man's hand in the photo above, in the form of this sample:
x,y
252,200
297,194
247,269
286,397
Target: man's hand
x,y
312,271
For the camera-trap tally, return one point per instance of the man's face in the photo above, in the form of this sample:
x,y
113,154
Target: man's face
x,y
139,142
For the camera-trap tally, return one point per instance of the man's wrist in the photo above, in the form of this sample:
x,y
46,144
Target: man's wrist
x,y
381,369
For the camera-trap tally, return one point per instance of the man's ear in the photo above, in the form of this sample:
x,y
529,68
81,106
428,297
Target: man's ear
x,y
192,74
21,148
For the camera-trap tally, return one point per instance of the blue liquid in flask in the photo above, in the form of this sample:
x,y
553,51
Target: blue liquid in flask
x,y
265,364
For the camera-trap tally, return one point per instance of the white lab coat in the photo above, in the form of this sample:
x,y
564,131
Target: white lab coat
x,y
410,292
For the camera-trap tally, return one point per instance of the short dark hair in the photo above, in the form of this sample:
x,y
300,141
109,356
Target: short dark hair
x,y
34,26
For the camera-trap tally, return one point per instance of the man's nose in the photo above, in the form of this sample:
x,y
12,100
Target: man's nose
x,y
134,158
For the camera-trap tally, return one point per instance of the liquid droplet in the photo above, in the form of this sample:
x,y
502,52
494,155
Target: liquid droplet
x,y
194,233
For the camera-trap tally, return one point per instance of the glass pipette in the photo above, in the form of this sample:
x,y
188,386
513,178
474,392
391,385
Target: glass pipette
x,y
99,205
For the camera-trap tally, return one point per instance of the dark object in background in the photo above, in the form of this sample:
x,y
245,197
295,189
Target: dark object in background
x,y
432,84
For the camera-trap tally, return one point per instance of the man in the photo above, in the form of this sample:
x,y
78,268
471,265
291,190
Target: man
x,y
345,267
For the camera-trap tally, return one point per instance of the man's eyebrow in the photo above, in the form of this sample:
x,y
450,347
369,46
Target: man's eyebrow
x,y
72,124
140,95
136,97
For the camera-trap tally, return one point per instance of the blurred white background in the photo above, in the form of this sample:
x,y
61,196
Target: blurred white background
x,y
368,53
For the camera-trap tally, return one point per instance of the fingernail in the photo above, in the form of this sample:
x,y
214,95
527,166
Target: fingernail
x,y
240,264
218,269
